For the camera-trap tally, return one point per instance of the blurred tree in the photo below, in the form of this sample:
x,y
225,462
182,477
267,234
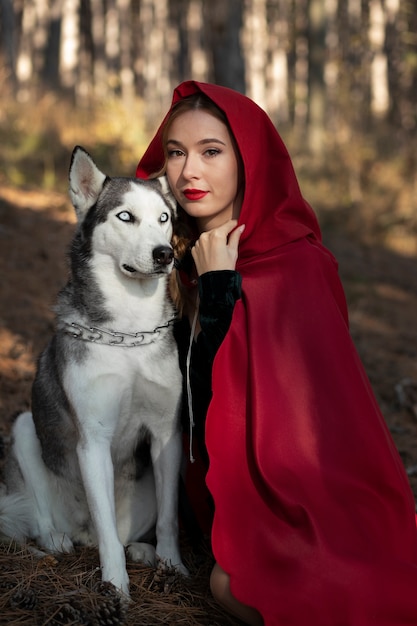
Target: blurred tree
x,y
316,86
278,19
255,49
197,56
155,35
92,76
50,61
223,26
407,66
72,53
7,36
379,63
316,65
301,66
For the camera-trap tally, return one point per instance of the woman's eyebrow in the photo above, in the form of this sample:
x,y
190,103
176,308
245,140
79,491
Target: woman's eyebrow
x,y
211,140
175,142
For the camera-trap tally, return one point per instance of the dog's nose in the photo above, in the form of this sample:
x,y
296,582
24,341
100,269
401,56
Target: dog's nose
x,y
163,255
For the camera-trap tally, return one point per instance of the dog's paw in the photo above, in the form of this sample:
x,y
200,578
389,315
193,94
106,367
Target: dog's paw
x,y
168,553
142,553
121,584
175,564
56,542
181,569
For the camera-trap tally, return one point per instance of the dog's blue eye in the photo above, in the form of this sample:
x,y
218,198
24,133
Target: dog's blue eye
x,y
164,217
125,216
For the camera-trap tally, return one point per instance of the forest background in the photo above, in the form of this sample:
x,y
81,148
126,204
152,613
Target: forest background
x,y
339,80
338,77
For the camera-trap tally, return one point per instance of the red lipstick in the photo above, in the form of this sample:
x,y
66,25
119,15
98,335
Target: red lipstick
x,y
194,194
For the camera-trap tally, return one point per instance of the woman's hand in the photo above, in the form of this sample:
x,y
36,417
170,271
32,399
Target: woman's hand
x,y
217,249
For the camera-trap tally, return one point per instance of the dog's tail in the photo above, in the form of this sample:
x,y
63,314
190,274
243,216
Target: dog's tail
x,y
14,517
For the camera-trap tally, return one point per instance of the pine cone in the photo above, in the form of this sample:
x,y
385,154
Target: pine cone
x,y
164,578
8,583
110,611
23,599
68,614
105,588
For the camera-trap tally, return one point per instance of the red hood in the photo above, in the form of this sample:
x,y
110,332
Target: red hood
x,y
273,210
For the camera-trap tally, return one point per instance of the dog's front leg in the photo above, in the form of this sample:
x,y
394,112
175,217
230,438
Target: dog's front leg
x,y
166,458
96,466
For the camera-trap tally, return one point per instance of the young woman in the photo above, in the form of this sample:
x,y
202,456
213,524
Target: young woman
x,y
314,519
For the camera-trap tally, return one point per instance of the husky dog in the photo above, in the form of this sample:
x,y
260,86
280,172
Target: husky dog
x,y
97,461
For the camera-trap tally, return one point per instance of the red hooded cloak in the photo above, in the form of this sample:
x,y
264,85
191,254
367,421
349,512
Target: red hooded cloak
x,y
314,517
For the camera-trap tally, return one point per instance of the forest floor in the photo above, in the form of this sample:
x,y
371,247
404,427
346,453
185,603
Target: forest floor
x,y
35,229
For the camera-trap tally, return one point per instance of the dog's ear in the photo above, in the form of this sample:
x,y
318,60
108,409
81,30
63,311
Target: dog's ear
x,y
85,181
167,193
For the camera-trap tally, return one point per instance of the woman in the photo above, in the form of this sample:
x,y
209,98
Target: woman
x,y
314,519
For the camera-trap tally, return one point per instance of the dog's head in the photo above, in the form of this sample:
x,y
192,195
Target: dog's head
x,y
126,221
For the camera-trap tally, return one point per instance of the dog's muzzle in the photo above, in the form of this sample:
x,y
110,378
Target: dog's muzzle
x,y
162,257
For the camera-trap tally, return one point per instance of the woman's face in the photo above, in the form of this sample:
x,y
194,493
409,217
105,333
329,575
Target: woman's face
x,y
202,169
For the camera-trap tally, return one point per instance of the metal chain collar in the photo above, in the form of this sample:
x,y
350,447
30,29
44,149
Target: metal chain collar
x,y
106,337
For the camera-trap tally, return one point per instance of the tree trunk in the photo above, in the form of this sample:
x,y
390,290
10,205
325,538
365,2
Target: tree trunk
x,y
223,25
379,64
156,60
50,70
179,44
199,67
70,45
7,36
301,69
277,69
316,87
255,46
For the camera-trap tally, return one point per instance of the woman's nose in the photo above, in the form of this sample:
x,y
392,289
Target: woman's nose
x,y
191,168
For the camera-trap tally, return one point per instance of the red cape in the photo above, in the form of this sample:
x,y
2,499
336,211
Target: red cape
x,y
314,519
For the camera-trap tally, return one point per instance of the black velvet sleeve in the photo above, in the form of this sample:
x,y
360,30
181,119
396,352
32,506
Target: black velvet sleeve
x,y
218,293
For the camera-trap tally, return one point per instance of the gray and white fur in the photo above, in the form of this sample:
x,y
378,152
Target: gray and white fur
x,y
107,388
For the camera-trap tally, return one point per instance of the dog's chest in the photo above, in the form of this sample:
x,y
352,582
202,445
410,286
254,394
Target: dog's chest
x,y
120,391
149,397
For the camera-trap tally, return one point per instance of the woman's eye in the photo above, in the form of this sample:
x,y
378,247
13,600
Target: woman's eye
x,y
175,153
125,216
211,152
164,217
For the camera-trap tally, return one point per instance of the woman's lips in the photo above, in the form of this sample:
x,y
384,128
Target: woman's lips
x,y
194,194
